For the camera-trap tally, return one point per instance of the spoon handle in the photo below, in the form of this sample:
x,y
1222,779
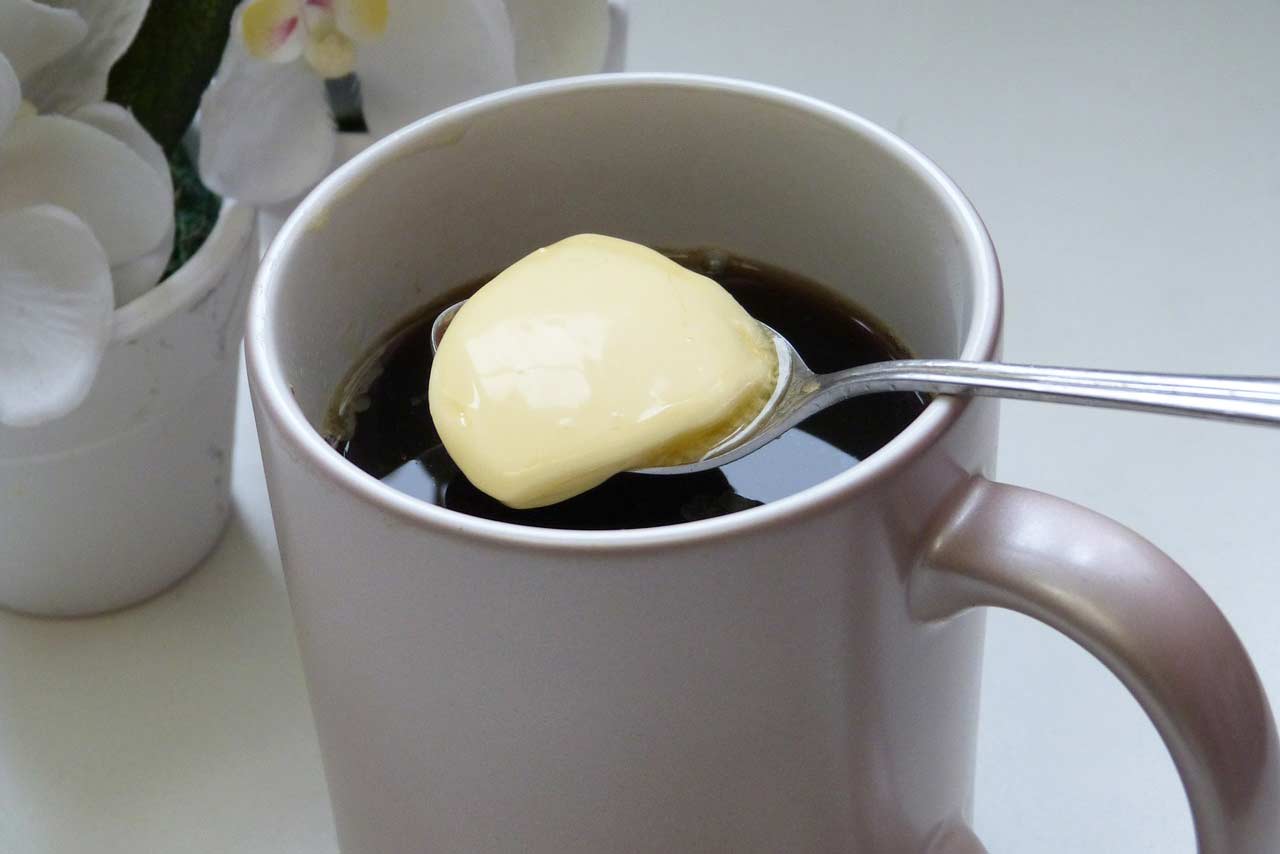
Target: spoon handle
x,y
1248,399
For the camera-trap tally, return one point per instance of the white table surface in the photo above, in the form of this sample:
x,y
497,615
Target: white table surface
x,y
1126,156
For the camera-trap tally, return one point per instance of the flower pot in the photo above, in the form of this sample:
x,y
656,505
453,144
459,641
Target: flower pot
x,y
122,497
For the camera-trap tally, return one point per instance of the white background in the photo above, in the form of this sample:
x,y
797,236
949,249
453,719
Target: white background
x,y
1126,156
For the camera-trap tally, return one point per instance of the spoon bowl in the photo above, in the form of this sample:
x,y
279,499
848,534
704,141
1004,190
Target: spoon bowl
x,y
800,393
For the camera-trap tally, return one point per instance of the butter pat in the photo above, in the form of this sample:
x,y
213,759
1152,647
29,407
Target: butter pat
x,y
591,357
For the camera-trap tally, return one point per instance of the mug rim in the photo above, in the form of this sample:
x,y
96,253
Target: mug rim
x,y
275,401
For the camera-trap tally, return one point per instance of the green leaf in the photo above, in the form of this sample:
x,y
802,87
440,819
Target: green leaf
x,y
195,209
170,63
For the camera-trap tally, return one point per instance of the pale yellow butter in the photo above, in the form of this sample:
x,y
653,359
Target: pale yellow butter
x,y
590,357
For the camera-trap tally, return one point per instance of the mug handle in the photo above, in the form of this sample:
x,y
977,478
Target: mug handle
x,y
1140,614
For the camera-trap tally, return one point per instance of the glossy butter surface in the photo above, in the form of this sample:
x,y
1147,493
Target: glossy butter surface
x,y
590,357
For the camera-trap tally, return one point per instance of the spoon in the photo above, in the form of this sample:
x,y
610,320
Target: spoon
x,y
801,393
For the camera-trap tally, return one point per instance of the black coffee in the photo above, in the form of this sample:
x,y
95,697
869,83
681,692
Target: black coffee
x,y
380,420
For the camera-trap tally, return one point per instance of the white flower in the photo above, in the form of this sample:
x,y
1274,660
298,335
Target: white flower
x,y
265,128
325,32
86,204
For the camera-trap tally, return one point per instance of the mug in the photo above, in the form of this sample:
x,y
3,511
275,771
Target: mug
x,y
798,677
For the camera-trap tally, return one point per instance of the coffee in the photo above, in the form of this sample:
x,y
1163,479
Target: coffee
x,y
380,421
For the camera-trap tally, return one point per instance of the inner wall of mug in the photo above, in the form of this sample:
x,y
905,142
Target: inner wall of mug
x,y
756,172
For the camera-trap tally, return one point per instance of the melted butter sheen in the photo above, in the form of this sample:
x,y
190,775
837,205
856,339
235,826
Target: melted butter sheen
x,y
587,358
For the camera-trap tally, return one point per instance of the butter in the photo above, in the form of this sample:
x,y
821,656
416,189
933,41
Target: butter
x,y
591,357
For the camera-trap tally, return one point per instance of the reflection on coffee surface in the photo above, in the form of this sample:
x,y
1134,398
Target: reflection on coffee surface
x,y
380,418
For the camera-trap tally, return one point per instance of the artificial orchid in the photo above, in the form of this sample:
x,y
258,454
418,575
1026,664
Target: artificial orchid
x,y
86,200
266,132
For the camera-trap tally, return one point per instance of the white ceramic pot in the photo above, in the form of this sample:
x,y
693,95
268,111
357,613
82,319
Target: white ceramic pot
x,y
121,498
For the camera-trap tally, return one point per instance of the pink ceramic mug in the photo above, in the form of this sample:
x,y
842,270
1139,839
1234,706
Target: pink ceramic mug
x,y
798,677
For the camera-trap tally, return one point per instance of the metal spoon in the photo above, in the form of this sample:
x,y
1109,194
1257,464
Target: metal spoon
x,y
801,393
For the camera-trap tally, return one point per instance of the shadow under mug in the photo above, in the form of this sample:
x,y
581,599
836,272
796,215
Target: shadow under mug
x,y
798,677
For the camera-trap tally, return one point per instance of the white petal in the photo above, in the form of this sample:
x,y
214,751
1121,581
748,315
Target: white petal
x,y
33,34
136,277
10,94
120,123
266,134
80,77
55,160
435,54
362,20
55,313
561,38
615,52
